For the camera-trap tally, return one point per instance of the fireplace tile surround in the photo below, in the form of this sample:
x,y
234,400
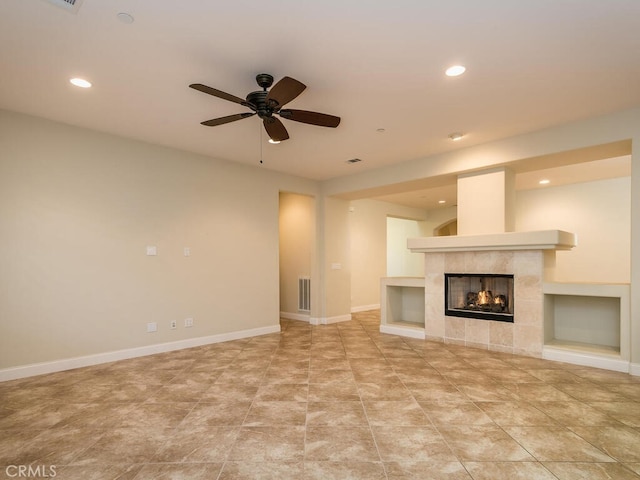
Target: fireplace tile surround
x,y
524,336
528,256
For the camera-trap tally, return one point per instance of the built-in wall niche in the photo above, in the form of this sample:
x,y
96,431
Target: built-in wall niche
x,y
590,319
402,306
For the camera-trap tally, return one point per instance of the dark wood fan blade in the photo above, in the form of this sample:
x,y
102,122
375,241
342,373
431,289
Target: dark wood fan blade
x,y
284,91
275,129
228,119
312,118
218,93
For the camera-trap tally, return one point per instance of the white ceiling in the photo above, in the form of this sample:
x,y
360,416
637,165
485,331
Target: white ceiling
x,y
377,64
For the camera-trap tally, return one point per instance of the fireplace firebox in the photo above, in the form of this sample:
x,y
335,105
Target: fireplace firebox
x,y
480,296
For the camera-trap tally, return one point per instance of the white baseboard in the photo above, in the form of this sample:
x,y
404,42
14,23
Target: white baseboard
x,y
411,332
304,317
329,320
106,357
587,359
365,308
634,369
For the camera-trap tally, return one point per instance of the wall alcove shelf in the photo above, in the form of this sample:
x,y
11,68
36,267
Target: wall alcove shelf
x,y
587,324
402,306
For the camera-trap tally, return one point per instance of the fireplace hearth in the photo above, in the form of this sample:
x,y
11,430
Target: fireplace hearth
x,y
481,296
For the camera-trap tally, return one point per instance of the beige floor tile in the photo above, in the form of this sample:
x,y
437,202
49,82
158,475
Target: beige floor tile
x,y
155,415
126,446
508,471
487,392
455,413
390,413
590,471
336,414
333,392
575,413
326,402
634,467
589,392
258,444
424,392
554,376
410,444
343,470
515,413
556,444
96,472
295,392
340,444
621,443
624,412
233,392
529,392
426,470
57,446
383,391
276,414
482,443
266,470
197,444
227,412
180,471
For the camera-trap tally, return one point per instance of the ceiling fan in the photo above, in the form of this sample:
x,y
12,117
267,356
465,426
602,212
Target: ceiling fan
x,y
267,103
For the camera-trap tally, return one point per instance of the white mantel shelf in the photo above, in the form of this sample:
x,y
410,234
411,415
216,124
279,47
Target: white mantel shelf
x,y
533,240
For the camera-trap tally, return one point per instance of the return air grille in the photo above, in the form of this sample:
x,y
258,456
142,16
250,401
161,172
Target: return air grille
x,y
304,294
70,5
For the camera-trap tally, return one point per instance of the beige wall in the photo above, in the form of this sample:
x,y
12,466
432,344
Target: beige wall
x,y
78,209
368,230
297,234
599,213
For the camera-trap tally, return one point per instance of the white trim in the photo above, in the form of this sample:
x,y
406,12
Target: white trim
x,y
336,319
634,369
365,308
329,320
411,332
534,240
586,359
304,317
106,357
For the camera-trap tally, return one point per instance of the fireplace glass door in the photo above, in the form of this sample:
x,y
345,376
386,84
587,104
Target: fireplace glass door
x,y
481,296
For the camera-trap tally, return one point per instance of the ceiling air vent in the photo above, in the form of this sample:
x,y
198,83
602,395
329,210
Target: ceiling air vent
x,y
354,160
70,5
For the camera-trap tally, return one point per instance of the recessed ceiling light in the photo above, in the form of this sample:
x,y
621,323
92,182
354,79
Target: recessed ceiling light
x,y
442,202
274,142
380,130
456,136
544,182
455,70
80,82
125,18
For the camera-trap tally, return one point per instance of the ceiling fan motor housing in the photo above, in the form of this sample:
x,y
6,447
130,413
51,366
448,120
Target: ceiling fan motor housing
x,y
258,102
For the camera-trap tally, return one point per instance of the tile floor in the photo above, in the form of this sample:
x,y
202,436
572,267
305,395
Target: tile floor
x,y
324,402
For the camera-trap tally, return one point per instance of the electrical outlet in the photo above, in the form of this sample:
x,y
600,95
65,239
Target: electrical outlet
x,y
188,322
173,324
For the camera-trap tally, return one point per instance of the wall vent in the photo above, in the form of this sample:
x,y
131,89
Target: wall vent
x,y
304,294
69,5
